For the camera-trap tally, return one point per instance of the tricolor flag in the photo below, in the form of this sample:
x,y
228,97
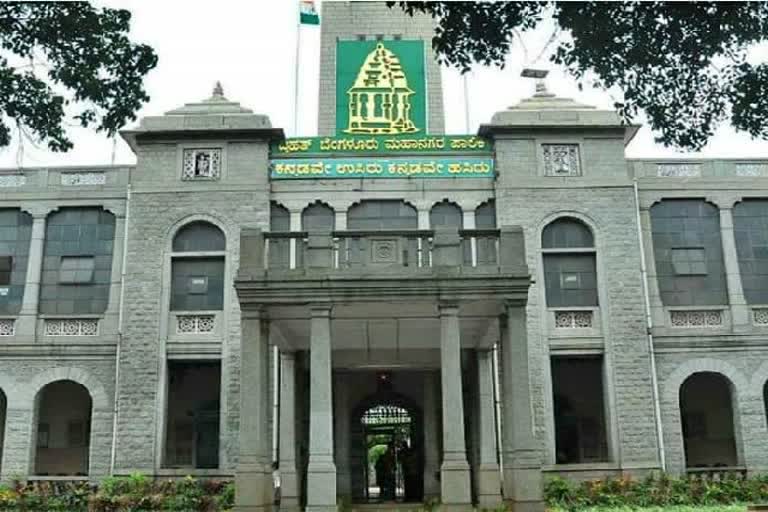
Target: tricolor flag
x,y
308,13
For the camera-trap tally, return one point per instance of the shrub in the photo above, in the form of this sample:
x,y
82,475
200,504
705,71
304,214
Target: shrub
x,y
656,490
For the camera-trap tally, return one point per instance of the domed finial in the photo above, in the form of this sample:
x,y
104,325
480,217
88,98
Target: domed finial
x,y
218,90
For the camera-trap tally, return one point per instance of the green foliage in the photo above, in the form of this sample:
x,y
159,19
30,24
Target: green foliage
x,y
64,62
120,494
654,491
685,65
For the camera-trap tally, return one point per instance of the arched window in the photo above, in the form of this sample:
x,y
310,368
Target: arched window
x,y
63,429
279,248
706,412
318,217
750,224
688,253
279,217
15,235
446,214
379,214
197,268
77,261
570,274
485,215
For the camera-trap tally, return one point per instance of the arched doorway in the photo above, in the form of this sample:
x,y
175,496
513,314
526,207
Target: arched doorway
x,y
387,449
708,423
63,429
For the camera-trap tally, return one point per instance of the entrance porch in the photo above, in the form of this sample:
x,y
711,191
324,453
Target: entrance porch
x,y
387,387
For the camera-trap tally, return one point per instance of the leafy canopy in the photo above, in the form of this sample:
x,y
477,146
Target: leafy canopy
x,y
68,62
685,65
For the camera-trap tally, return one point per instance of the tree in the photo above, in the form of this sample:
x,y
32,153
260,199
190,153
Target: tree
x,y
685,65
64,63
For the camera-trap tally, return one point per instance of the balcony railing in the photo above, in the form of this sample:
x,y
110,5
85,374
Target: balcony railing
x,y
368,249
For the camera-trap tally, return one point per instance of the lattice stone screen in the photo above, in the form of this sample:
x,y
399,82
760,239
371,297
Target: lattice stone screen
x,y
573,319
72,327
195,324
74,179
561,159
696,318
7,327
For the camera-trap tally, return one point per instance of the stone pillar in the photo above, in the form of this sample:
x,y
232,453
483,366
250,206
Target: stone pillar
x,y
253,479
17,443
522,455
27,323
321,470
289,481
100,447
112,314
431,439
739,309
454,472
341,419
489,482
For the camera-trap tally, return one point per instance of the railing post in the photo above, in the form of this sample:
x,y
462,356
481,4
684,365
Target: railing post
x,y
319,251
446,247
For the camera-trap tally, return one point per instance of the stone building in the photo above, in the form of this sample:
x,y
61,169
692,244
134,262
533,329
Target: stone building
x,y
397,317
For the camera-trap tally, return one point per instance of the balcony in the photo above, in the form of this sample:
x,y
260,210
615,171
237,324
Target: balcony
x,y
448,262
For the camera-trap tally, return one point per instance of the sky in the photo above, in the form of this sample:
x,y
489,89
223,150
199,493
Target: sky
x,y
250,47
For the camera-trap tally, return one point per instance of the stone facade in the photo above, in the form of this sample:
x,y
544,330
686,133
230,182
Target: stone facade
x,y
422,320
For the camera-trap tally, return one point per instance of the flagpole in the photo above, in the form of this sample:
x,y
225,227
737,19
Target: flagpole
x,y
296,74
466,102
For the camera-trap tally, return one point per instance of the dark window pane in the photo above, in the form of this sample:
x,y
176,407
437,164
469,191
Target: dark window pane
x,y
566,233
199,237
279,218
750,219
485,215
381,215
197,284
446,214
318,217
688,253
570,280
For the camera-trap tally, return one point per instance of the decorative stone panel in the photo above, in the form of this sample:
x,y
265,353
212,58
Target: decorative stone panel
x,y
194,324
201,164
384,251
72,327
7,327
561,159
697,318
12,180
75,179
678,170
752,169
760,316
573,319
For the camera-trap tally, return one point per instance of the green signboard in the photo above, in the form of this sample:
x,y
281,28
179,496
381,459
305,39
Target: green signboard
x,y
380,88
301,146
416,167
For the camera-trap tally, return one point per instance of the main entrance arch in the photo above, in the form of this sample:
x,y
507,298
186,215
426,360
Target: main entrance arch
x,y
387,449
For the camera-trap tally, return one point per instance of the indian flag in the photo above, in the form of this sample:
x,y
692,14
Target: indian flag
x,y
308,13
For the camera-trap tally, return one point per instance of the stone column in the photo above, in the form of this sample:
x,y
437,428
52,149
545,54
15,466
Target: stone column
x,y
342,429
431,439
289,481
454,472
489,482
112,314
321,470
27,325
253,479
522,455
739,309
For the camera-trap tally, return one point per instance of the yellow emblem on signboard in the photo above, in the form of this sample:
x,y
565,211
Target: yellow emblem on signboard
x,y
379,100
